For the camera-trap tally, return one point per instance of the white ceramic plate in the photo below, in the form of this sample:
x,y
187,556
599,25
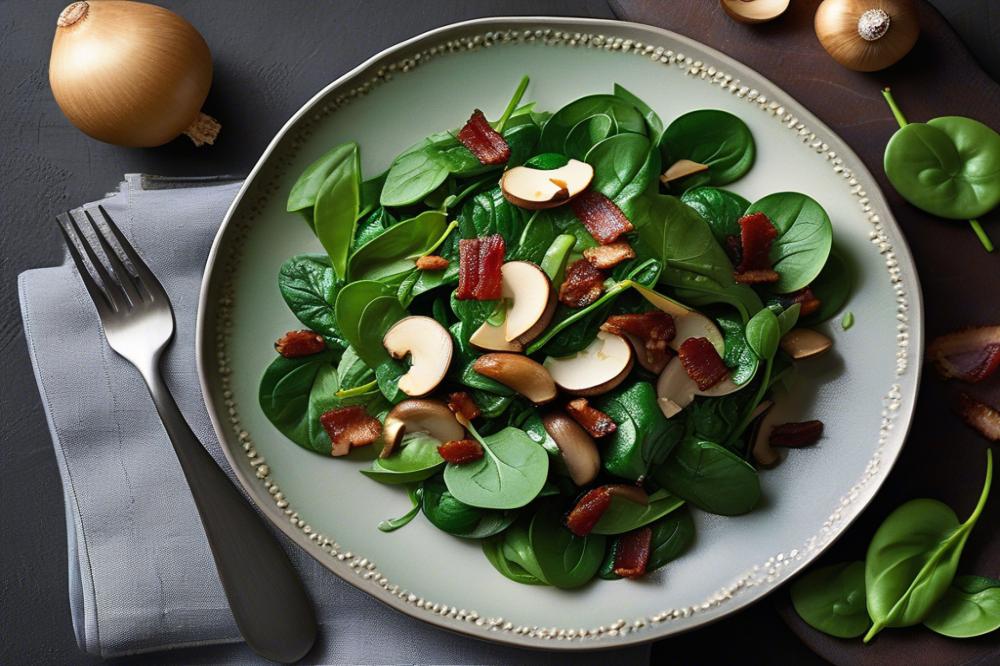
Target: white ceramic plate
x,y
864,391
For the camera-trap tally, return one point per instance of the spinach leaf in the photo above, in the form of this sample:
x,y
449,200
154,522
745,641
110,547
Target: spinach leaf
x,y
352,371
302,196
625,167
718,419
508,476
832,287
763,333
644,437
722,210
537,236
517,548
587,133
739,357
418,459
337,207
832,599
369,193
363,333
372,226
787,318
566,560
556,258
393,524
654,126
309,286
713,137
387,376
912,559
295,392
490,213
970,607
805,237
557,128
454,517
671,536
414,175
947,166
693,263
625,515
493,548
397,249
535,429
710,477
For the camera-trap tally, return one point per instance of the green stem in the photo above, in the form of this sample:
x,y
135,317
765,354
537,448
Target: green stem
x,y
611,293
451,227
514,101
977,228
554,262
357,390
987,482
392,524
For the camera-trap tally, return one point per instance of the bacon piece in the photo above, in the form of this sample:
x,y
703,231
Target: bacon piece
x,y
603,219
593,420
582,285
588,510
483,141
432,262
756,235
652,330
463,406
479,262
971,354
461,451
349,427
632,552
702,363
609,256
295,344
980,416
808,303
794,435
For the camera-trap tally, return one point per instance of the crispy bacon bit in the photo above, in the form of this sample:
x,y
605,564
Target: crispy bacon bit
x,y
588,510
483,141
808,303
603,219
432,262
299,343
593,420
702,363
980,416
609,256
653,330
463,406
632,552
756,235
971,354
461,451
794,435
479,262
583,284
349,427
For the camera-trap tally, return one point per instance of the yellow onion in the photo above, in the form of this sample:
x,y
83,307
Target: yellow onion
x,y
131,74
867,35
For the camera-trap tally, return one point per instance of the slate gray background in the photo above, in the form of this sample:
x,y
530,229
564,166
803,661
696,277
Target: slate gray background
x,y
270,57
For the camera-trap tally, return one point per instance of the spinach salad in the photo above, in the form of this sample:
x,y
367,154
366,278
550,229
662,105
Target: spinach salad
x,y
556,331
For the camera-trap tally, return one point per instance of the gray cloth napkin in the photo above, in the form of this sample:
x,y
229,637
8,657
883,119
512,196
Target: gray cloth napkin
x,y
141,576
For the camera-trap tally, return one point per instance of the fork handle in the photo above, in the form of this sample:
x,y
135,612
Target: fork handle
x,y
267,598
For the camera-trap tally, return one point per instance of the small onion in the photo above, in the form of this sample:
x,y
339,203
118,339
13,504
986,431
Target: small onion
x,y
131,74
867,35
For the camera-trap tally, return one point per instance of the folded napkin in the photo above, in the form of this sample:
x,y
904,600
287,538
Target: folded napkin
x,y
141,576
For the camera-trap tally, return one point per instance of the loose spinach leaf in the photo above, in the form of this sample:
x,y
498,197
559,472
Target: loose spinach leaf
x,y
625,515
508,476
970,607
490,213
295,392
805,237
912,559
566,560
337,207
365,334
372,226
517,547
309,286
717,419
787,318
556,131
710,477
393,524
387,375
671,536
302,196
722,210
739,357
763,333
654,126
369,193
644,437
832,287
832,599
493,549
396,250
713,137
418,459
454,517
414,175
626,166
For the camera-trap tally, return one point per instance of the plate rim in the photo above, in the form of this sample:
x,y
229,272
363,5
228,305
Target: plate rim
x,y
909,377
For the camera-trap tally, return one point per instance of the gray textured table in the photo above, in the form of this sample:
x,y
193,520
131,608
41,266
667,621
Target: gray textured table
x,y
270,57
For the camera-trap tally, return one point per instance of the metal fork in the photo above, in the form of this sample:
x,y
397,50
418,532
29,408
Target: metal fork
x,y
267,598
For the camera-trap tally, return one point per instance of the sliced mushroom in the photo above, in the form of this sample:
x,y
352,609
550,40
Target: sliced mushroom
x,y
689,323
531,304
597,369
535,189
494,338
675,390
577,447
413,416
518,372
429,347
800,343
682,169
763,453
755,11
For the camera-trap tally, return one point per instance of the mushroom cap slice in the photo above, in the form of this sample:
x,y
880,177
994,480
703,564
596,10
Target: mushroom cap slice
x,y
529,291
579,452
413,416
518,372
687,322
763,453
800,343
429,347
494,338
596,369
675,390
535,189
757,11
